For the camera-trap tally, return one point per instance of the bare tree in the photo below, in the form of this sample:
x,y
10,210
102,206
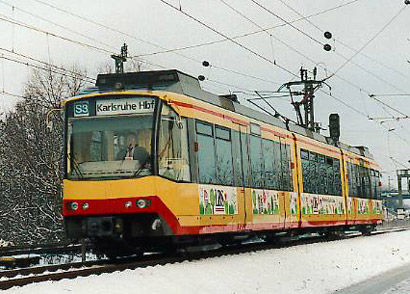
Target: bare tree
x,y
30,159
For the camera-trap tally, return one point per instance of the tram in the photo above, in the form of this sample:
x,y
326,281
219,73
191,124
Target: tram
x,y
151,159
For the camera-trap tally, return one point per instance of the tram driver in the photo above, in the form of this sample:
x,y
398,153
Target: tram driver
x,y
133,151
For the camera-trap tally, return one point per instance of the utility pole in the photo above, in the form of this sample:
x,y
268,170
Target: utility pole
x,y
402,173
308,87
120,59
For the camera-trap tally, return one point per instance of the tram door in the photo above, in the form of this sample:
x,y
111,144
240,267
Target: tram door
x,y
244,197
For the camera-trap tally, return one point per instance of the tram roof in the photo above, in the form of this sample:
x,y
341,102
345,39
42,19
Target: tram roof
x,y
178,82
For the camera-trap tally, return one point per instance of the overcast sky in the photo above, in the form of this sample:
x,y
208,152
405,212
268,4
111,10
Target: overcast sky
x,y
378,28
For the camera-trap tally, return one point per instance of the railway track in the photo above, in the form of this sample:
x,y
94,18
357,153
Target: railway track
x,y
43,249
21,277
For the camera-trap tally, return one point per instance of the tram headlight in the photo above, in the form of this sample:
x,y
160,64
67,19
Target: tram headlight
x,y
142,203
86,206
128,204
73,205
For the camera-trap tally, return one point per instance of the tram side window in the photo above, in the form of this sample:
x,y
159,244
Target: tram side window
x,y
367,184
277,166
237,161
363,182
337,177
284,168
329,176
304,155
245,159
256,162
351,176
313,173
315,170
269,162
321,174
224,167
206,153
358,180
376,184
173,159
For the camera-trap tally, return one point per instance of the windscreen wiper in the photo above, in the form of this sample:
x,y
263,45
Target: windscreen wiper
x,y
137,172
76,166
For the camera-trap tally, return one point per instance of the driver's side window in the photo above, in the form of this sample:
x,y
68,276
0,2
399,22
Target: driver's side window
x,y
173,159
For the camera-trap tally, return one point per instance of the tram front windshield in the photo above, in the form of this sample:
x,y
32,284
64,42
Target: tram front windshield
x,y
109,147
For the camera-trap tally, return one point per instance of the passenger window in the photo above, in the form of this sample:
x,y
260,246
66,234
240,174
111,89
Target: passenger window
x,y
290,173
237,161
245,159
312,173
322,175
337,178
268,160
206,153
305,170
256,162
329,176
284,168
277,166
224,168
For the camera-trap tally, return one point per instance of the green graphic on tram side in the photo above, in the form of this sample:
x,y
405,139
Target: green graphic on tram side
x,y
265,202
349,206
217,200
293,203
377,206
363,206
320,204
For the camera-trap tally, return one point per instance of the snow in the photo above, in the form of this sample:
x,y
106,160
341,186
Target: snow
x,y
4,243
401,288
314,268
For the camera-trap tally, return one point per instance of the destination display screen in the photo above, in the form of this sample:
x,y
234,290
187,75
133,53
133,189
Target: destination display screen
x,y
125,106
112,106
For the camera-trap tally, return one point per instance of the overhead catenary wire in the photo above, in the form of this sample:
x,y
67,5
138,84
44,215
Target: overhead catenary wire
x,y
50,68
90,79
12,94
222,68
304,55
257,54
350,48
341,42
391,95
347,60
334,74
225,36
80,43
56,24
250,33
395,16
292,48
287,22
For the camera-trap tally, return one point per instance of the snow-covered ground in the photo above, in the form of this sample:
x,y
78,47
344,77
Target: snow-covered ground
x,y
401,288
5,243
315,268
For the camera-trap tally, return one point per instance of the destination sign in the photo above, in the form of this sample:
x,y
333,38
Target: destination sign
x,y
125,106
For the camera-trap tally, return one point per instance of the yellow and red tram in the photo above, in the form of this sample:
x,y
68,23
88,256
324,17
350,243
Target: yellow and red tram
x,y
150,156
